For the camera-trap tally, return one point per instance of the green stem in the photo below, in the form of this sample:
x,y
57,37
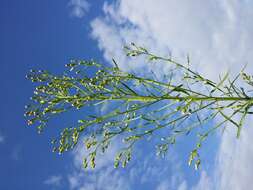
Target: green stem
x,y
155,98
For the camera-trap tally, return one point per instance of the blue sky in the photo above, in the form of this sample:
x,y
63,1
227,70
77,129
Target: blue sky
x,y
34,34
47,34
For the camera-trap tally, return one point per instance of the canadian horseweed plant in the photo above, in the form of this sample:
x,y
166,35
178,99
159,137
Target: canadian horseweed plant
x,y
139,106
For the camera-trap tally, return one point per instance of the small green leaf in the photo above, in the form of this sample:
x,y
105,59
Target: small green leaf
x,y
197,164
85,163
152,58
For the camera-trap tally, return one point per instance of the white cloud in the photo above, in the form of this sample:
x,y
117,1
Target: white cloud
x,y
183,186
101,160
235,160
204,183
104,176
137,174
210,34
79,7
164,185
55,180
106,179
217,35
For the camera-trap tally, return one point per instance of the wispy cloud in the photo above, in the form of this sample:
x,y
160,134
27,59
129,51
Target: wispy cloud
x,y
204,182
79,8
234,161
104,176
55,180
137,174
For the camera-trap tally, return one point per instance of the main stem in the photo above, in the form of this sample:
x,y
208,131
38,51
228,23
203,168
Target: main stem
x,y
155,98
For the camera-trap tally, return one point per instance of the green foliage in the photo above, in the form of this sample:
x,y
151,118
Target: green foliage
x,y
144,105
